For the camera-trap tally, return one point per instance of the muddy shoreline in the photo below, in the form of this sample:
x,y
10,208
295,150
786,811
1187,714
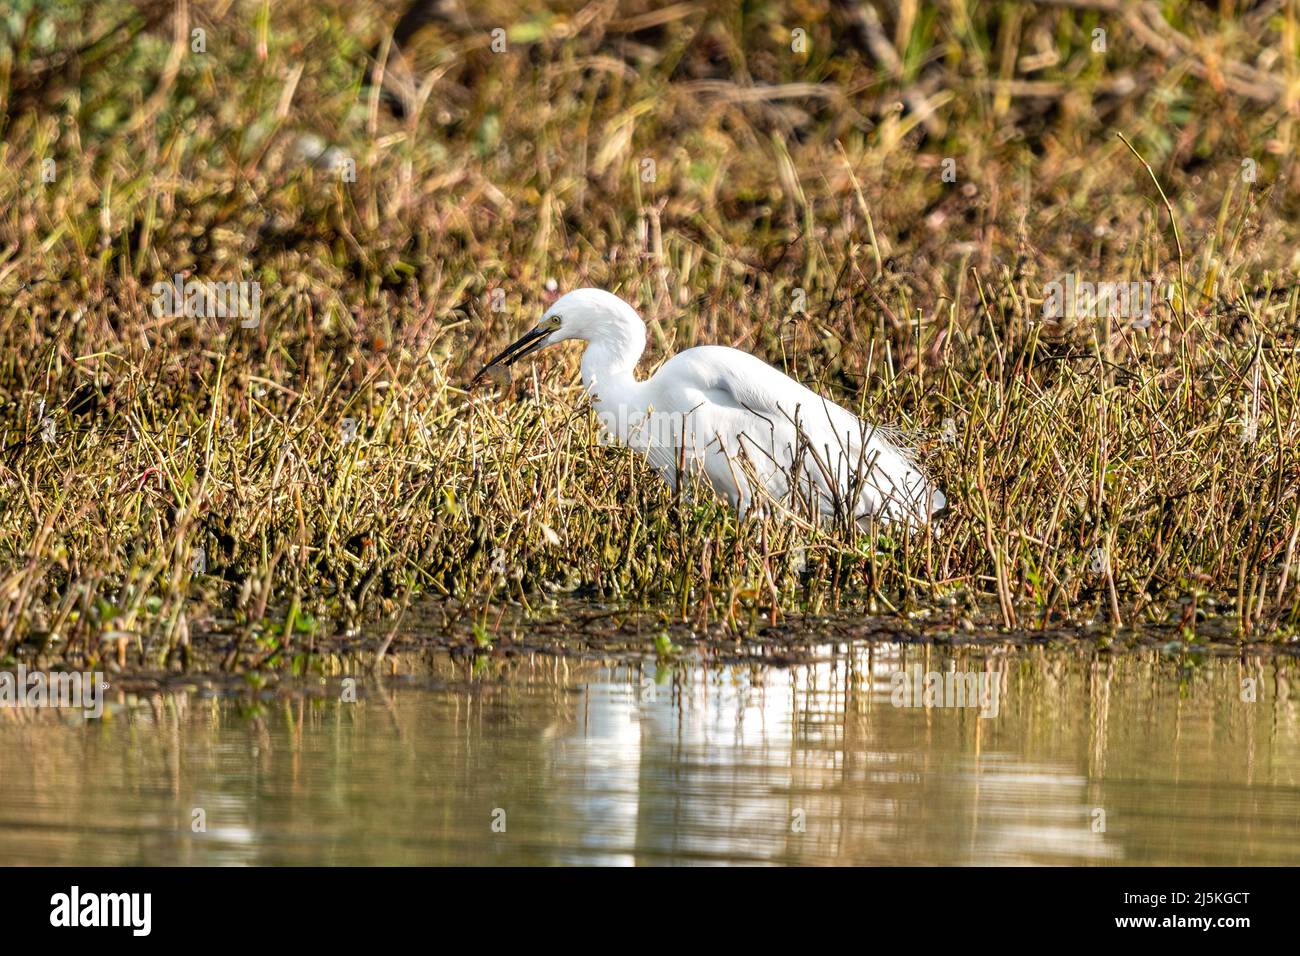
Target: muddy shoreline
x,y
227,659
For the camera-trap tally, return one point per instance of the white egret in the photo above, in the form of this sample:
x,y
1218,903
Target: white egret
x,y
757,436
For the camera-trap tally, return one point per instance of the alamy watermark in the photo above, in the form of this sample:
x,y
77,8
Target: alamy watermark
x,y
669,431
71,689
1069,297
975,689
133,911
198,299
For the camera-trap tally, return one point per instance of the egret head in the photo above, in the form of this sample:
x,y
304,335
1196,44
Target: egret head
x,y
591,315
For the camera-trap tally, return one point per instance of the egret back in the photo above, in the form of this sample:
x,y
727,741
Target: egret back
x,y
754,432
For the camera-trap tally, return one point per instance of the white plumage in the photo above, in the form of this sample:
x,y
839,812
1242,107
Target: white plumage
x,y
758,437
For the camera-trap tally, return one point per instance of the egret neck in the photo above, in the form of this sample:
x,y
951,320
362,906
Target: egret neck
x,y
609,367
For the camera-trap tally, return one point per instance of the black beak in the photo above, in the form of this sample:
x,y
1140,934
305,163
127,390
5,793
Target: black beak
x,y
530,343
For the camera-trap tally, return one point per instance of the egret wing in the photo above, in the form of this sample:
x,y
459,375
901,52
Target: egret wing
x,y
744,423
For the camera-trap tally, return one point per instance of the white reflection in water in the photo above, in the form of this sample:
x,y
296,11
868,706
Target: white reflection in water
x,y
1091,758
786,764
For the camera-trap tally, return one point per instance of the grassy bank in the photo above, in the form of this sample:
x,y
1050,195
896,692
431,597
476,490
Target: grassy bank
x,y
879,211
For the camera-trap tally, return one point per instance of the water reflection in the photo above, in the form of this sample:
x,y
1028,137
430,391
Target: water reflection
x,y
1091,758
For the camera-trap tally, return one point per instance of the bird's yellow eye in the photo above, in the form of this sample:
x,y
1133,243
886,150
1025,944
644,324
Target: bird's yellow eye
x,y
553,323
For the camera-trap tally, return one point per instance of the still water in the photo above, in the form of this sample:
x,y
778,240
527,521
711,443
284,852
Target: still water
x,y
1130,758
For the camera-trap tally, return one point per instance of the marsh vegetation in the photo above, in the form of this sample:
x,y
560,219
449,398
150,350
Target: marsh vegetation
x,y
879,210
